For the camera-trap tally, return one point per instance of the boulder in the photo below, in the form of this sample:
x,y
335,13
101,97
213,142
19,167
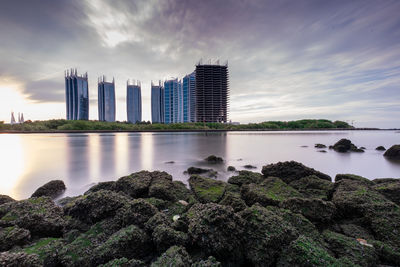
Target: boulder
x,y
158,219
38,215
51,189
162,187
316,210
5,199
313,187
110,185
246,177
137,211
231,169
265,235
164,237
135,185
214,159
217,231
175,256
96,206
380,148
340,177
233,200
270,192
390,189
206,189
290,171
13,235
393,153
19,259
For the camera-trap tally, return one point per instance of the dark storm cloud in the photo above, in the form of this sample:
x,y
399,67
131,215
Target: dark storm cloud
x,y
286,58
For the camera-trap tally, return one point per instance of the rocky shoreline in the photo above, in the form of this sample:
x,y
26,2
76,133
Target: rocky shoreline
x,y
287,215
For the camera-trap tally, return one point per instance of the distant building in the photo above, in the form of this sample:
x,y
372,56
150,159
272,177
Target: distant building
x,y
173,105
157,103
134,102
106,100
189,97
212,93
77,95
12,121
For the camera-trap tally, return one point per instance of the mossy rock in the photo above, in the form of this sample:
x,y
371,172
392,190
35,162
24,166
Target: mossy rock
x,y
123,262
305,252
343,246
313,187
137,211
109,185
316,210
44,247
209,262
216,230
129,242
270,192
390,189
246,177
158,219
175,256
19,259
5,199
265,235
206,189
354,230
233,200
164,237
39,215
387,254
13,235
290,171
353,177
51,189
136,184
162,186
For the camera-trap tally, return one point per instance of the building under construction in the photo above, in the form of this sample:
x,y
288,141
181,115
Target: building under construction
x,y
212,92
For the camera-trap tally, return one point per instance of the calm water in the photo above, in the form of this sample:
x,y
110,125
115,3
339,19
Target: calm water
x,y
28,161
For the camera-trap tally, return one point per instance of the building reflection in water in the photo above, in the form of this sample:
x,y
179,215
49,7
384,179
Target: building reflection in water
x,y
78,161
107,157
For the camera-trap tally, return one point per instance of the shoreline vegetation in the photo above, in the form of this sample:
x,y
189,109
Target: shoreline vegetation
x,y
71,126
287,215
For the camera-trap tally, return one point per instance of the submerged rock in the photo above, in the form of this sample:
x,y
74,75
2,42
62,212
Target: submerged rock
x,y
249,166
196,170
320,146
231,169
206,189
214,159
51,189
393,153
345,145
380,148
290,171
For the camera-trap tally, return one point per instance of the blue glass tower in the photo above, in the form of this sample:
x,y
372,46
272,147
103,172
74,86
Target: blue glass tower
x,y
106,100
134,102
189,97
157,103
77,95
173,105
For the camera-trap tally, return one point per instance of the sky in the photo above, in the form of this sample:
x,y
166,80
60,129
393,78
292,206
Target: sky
x,y
287,60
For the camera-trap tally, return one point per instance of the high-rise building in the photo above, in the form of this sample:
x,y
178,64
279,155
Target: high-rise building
x,y
77,95
173,105
157,103
189,97
134,102
106,99
212,93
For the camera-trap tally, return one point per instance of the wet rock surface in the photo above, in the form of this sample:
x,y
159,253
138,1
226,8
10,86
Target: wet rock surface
x,y
345,145
290,215
51,189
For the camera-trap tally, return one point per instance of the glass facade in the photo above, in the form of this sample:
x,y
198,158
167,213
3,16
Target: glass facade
x,y
106,100
77,96
157,103
134,103
173,101
189,98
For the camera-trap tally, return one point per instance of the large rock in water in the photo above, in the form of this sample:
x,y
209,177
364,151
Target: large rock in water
x,y
207,189
39,215
217,231
393,153
290,171
51,189
344,145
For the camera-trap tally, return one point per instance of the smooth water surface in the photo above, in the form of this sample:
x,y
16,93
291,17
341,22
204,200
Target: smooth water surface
x,y
30,160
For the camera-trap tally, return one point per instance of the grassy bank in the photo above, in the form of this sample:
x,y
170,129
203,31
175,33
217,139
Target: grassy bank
x,y
65,125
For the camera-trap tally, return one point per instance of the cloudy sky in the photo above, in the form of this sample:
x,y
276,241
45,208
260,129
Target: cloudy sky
x,y
287,59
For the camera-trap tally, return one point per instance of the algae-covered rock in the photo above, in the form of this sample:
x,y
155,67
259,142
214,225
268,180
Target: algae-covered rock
x,y
344,246
305,251
13,235
233,200
123,262
265,235
45,249
214,159
270,192
51,189
158,219
135,185
340,177
96,206
390,189
129,242
137,211
5,199
290,171
162,186
39,215
393,152
387,254
175,256
313,187
352,229
206,189
316,210
110,185
217,231
209,262
164,237
246,177
19,259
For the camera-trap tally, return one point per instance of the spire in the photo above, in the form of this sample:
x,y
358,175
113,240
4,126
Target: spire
x,y
12,118
22,118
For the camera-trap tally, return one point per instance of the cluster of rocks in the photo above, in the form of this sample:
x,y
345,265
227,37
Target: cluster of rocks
x,y
288,215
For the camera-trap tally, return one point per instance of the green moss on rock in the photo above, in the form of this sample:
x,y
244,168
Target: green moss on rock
x,y
175,256
207,189
246,177
313,187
